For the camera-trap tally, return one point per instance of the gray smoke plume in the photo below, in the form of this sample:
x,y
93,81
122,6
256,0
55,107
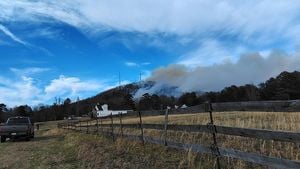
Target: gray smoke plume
x,y
249,69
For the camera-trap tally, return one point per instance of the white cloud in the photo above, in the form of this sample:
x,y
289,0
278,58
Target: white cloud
x,y
29,71
22,91
131,64
71,85
44,10
26,90
192,16
260,20
134,64
210,52
11,35
256,23
46,32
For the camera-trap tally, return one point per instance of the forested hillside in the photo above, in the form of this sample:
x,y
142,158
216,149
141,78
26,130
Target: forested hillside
x,y
286,86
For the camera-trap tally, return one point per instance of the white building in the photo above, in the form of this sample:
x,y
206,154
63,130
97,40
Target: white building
x,y
184,106
103,111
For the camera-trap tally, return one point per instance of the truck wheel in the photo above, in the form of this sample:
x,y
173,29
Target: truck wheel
x,y
3,139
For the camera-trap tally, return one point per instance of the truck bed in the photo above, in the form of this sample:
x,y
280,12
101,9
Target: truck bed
x,y
14,130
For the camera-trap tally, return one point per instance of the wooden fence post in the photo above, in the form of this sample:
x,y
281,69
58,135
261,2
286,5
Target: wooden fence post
x,y
112,127
79,126
97,126
213,129
121,125
166,125
101,126
87,127
141,127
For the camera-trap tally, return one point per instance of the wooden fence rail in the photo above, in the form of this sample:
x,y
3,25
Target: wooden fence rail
x,y
198,148
213,149
284,136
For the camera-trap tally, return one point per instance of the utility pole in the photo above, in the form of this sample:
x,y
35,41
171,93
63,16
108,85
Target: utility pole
x,y
140,78
119,80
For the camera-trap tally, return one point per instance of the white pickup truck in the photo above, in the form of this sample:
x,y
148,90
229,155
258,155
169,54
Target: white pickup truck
x,y
16,127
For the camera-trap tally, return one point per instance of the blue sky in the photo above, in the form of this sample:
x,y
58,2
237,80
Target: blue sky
x,y
75,48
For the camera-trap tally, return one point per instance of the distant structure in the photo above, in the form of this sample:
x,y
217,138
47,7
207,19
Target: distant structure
x,y
104,112
184,106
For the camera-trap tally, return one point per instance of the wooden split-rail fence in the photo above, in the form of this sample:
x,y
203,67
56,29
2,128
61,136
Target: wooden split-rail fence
x,y
212,149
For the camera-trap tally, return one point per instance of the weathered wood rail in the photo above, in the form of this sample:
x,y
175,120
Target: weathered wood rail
x,y
246,156
198,148
283,136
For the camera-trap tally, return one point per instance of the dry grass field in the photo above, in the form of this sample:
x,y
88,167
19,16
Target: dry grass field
x,y
283,121
47,150
58,148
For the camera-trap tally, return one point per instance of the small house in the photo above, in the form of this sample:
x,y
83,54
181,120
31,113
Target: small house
x,y
102,111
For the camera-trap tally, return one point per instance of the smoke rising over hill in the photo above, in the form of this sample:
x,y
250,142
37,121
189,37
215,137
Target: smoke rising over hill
x,y
251,68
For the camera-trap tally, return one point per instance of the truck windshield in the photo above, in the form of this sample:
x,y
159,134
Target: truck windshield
x,y
13,121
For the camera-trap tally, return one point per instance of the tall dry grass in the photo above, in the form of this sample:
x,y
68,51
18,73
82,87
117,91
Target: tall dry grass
x,y
285,121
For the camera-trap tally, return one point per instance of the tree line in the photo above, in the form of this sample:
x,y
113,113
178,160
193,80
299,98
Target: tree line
x,y
286,86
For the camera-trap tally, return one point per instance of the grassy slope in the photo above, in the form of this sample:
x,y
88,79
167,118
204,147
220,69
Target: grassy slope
x,y
55,148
